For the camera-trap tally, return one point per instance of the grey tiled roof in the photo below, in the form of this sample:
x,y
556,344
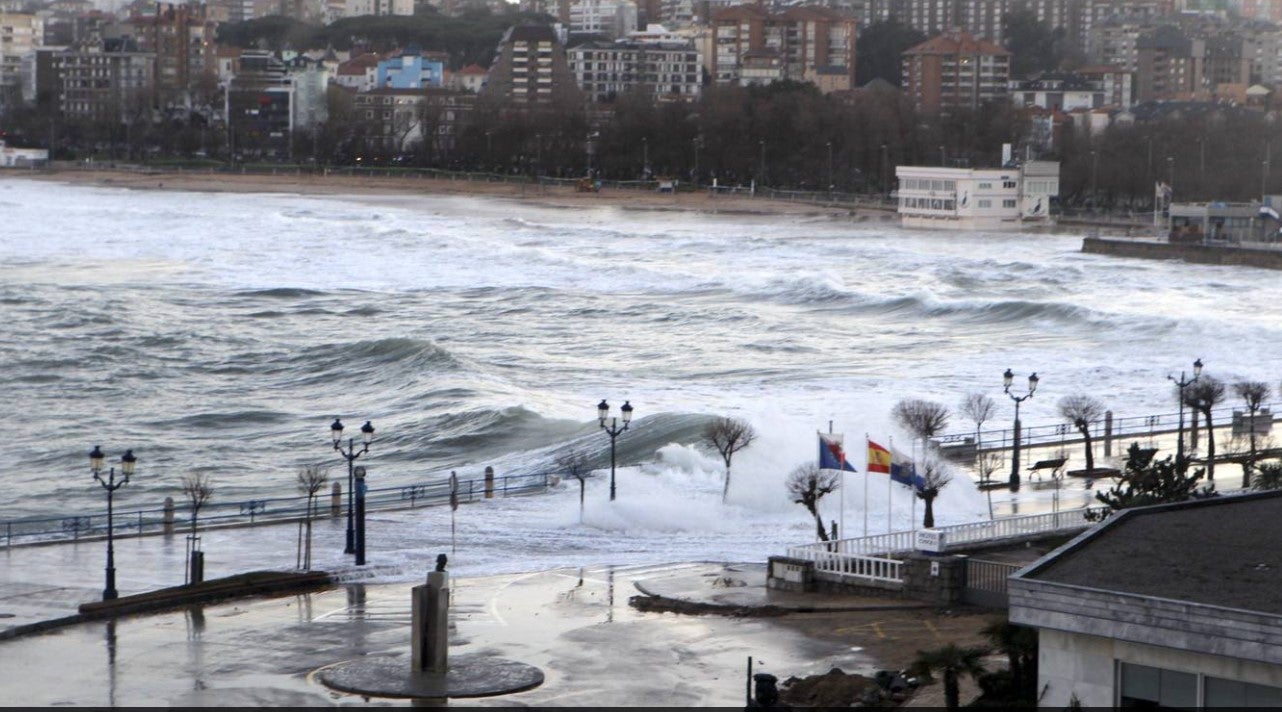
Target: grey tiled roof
x,y
1223,551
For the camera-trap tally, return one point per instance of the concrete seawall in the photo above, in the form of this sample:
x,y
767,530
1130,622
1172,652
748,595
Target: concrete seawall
x,y
1200,254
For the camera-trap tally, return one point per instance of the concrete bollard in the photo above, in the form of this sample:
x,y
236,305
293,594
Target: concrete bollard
x,y
430,621
1108,433
489,482
336,500
169,516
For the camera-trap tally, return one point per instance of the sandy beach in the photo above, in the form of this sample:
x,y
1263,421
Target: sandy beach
x,y
341,184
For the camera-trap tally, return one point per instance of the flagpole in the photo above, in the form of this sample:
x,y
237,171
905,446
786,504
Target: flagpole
x,y
912,487
890,483
841,470
865,484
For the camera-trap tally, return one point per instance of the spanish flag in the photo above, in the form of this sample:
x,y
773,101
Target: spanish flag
x,y
878,458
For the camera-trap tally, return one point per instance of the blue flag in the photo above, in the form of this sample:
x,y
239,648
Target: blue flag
x,y
904,471
831,454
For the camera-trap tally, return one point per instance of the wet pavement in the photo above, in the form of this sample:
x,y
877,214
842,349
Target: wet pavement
x,y
573,624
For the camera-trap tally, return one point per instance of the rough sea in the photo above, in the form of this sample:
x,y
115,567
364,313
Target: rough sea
x,y
222,333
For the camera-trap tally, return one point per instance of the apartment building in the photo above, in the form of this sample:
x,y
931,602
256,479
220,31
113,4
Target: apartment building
x,y
1115,42
112,84
1170,65
666,71
259,106
955,70
357,8
182,38
530,68
1267,10
399,120
411,69
1262,49
752,45
605,18
20,35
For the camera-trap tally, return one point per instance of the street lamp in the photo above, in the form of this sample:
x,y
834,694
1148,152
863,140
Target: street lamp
x,y
885,162
1181,384
111,485
698,144
350,454
761,180
613,430
1094,177
829,144
1007,379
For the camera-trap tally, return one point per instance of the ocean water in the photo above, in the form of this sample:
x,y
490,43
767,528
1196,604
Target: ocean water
x,y
222,333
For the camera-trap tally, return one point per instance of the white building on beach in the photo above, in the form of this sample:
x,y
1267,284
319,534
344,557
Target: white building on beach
x,y
977,198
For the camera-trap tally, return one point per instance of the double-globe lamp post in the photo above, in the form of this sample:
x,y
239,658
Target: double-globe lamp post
x,y
613,430
1007,379
1181,384
350,453
110,484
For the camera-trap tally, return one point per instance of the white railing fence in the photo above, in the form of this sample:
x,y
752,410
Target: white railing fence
x,y
868,558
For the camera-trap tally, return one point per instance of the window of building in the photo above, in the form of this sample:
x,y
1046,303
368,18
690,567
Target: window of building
x,y
985,186
1008,203
1144,686
985,203
1231,693
1009,185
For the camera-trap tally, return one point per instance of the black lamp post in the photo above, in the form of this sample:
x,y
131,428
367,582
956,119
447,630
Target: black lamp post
x,y
111,485
613,430
350,453
1181,384
1007,378
360,516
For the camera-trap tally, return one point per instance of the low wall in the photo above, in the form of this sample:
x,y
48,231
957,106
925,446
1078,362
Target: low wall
x,y
1199,254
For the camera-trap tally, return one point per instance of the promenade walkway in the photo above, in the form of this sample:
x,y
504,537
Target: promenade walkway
x,y
261,651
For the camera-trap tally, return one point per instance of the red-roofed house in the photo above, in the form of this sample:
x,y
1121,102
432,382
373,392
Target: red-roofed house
x,y
955,70
359,73
470,78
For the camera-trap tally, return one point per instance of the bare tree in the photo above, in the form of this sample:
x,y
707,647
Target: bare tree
x,y
575,464
807,484
924,419
979,408
311,479
198,489
933,477
1203,395
1081,410
1253,393
728,436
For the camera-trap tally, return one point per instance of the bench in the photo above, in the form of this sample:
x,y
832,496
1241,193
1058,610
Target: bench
x,y
1054,465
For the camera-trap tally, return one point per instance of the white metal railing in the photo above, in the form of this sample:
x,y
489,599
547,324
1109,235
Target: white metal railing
x,y
864,568
867,558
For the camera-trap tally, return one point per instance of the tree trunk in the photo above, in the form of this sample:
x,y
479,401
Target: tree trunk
x,y
819,523
1210,447
1250,464
952,694
725,489
928,520
1085,430
582,484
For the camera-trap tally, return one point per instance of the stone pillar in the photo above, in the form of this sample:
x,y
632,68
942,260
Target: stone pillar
x,y
430,620
169,516
489,482
1108,433
336,499
938,579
